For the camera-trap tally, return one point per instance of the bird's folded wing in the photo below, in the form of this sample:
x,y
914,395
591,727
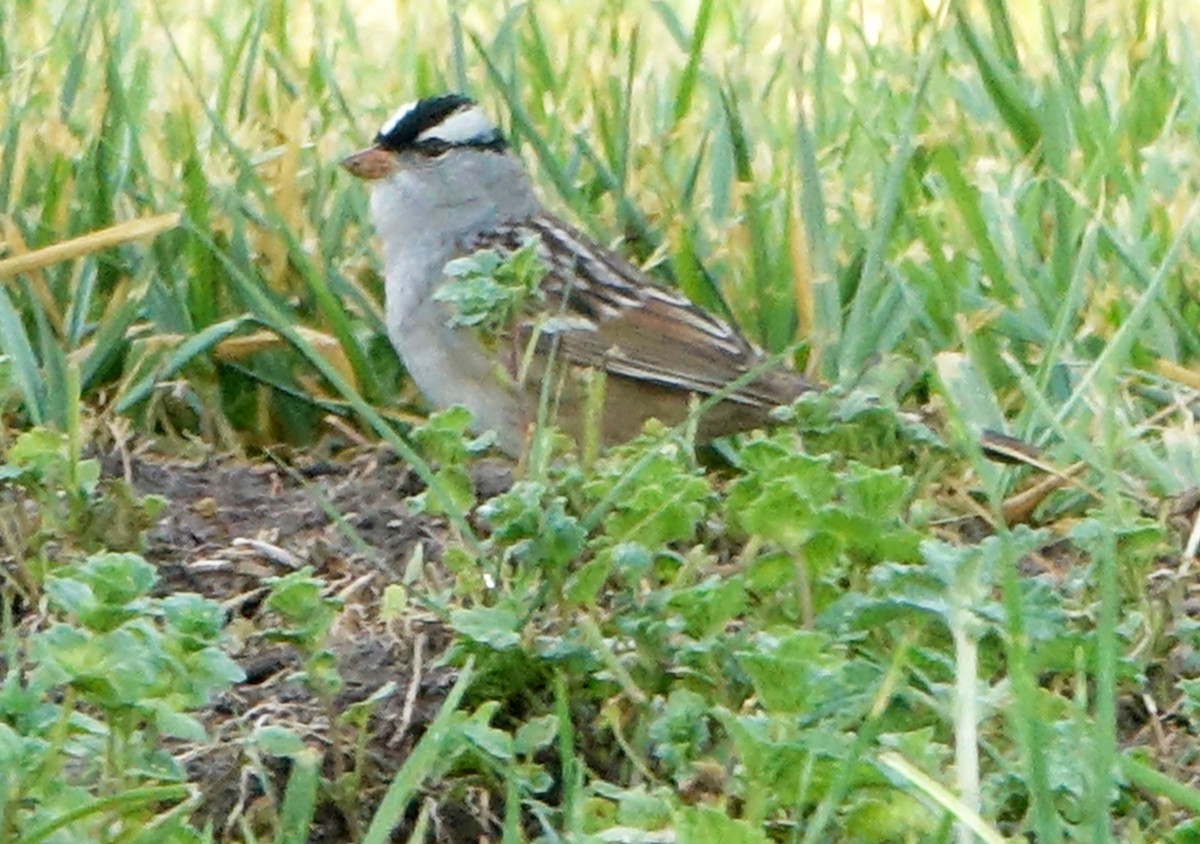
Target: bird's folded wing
x,y
604,312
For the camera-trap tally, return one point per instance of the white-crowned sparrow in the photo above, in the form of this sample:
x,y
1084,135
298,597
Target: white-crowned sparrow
x,y
443,185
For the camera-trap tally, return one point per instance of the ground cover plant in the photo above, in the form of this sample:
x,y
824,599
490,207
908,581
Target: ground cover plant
x,y
252,591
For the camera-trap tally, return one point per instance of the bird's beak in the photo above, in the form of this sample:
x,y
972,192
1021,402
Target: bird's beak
x,y
371,163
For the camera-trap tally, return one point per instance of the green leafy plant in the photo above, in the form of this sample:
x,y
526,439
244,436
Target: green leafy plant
x,y
307,615
54,501
447,444
85,711
487,290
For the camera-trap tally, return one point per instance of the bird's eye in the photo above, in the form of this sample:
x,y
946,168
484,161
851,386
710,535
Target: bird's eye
x,y
433,148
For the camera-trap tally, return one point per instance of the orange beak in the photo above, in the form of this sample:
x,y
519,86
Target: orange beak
x,y
371,163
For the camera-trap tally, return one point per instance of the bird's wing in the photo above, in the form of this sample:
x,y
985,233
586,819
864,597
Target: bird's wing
x,y
605,313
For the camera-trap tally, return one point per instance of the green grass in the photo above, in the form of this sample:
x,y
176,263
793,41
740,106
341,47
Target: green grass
x,y
986,212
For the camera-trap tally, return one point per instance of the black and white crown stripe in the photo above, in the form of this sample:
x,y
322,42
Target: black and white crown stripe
x,y
438,123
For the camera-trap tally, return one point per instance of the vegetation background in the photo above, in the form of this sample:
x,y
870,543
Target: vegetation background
x,y
966,215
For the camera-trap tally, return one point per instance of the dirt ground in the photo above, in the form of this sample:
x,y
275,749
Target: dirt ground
x,y
228,526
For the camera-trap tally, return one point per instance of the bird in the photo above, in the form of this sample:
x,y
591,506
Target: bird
x,y
444,185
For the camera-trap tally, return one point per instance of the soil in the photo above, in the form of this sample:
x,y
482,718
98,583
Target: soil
x,y
229,526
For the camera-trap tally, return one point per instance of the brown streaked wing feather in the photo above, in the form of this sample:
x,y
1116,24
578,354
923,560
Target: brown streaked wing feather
x,y
641,330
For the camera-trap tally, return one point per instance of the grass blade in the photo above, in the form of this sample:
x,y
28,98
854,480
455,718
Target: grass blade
x,y
424,757
14,342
